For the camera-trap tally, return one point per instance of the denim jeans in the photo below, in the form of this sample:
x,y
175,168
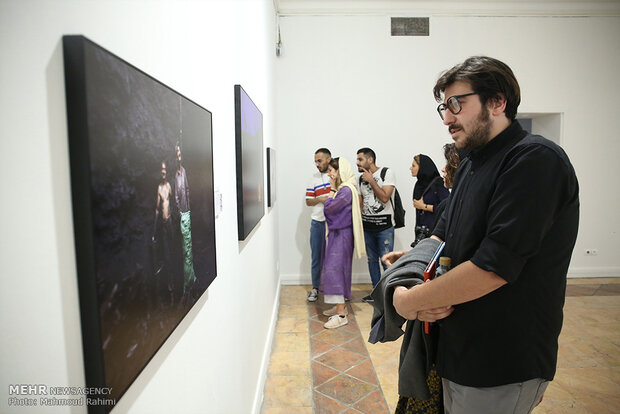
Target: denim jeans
x,y
317,241
378,243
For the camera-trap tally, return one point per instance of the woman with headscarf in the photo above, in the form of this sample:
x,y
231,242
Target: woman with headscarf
x,y
428,192
344,224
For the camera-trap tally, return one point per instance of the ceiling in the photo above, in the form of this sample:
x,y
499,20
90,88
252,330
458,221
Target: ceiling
x,y
450,7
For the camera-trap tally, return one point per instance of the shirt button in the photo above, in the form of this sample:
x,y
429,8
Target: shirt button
x,y
471,173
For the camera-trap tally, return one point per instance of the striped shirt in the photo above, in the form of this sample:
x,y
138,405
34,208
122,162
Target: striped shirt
x,y
319,187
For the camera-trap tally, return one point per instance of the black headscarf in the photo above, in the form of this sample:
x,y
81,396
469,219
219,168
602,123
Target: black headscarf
x,y
426,174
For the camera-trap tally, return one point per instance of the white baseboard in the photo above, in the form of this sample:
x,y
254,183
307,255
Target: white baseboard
x,y
262,376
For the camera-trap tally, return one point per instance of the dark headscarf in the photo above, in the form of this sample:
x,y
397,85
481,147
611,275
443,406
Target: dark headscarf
x,y
426,174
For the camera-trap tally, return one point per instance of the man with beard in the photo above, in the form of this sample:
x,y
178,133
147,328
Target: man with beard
x,y
510,227
181,196
376,188
316,194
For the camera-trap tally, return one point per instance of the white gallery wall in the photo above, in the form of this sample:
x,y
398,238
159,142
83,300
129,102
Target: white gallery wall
x,y
344,83
215,360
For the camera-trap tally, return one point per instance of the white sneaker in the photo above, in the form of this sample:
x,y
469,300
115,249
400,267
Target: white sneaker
x,y
336,321
332,311
313,295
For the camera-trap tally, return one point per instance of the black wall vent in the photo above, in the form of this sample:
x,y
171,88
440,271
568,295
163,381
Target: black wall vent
x,y
410,26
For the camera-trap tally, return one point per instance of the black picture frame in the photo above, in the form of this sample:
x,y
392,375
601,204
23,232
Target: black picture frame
x,y
271,177
145,249
249,163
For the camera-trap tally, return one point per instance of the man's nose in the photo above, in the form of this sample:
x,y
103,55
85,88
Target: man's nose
x,y
448,117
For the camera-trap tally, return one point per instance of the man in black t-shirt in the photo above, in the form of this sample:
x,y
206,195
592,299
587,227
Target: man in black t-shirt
x,y
510,227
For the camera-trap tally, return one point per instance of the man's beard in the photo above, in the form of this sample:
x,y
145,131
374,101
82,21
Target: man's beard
x,y
480,133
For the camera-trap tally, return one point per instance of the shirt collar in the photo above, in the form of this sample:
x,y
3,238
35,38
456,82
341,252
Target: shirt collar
x,y
508,136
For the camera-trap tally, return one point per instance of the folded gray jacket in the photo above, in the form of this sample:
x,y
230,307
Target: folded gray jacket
x,y
417,350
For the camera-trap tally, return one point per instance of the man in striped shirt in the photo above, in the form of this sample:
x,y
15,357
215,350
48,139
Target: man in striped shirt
x,y
316,194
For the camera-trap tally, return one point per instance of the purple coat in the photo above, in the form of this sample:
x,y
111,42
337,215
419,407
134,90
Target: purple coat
x,y
336,274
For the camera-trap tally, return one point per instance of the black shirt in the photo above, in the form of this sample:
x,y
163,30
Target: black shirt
x,y
514,211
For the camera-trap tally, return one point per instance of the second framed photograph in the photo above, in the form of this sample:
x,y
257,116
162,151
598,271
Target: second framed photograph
x,y
250,172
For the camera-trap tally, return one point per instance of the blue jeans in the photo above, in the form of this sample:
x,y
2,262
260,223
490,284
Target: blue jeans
x,y
378,243
317,241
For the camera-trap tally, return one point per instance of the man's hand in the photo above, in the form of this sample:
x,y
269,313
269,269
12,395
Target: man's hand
x,y
367,176
406,310
433,315
399,299
391,257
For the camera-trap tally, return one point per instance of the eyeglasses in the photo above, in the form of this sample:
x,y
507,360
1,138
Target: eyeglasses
x,y
453,104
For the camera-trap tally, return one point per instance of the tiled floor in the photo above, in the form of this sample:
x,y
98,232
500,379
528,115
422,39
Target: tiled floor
x,y
314,370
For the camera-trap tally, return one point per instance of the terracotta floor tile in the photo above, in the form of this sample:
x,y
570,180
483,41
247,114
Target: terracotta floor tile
x,y
326,405
288,391
581,290
346,389
365,372
591,280
336,336
322,373
351,411
292,324
609,405
373,404
340,359
289,364
319,347
608,290
287,311
600,383
356,345
313,310
316,326
291,342
351,326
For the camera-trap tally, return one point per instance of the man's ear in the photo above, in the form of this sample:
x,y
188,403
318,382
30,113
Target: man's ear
x,y
497,104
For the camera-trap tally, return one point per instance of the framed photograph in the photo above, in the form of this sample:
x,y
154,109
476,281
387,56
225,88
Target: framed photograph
x,y
271,176
249,152
141,159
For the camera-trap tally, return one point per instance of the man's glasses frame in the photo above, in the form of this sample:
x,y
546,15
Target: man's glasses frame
x,y
453,104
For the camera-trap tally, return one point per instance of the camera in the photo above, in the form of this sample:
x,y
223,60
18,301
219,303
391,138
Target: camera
x,y
421,232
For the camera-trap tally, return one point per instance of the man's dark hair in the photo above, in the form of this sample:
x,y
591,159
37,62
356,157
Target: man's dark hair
x,y
368,153
488,77
324,151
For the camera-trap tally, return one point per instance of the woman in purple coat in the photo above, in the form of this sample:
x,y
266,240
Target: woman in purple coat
x,y
344,224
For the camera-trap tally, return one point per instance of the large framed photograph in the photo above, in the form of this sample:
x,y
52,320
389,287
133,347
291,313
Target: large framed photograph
x,y
271,176
141,159
249,152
